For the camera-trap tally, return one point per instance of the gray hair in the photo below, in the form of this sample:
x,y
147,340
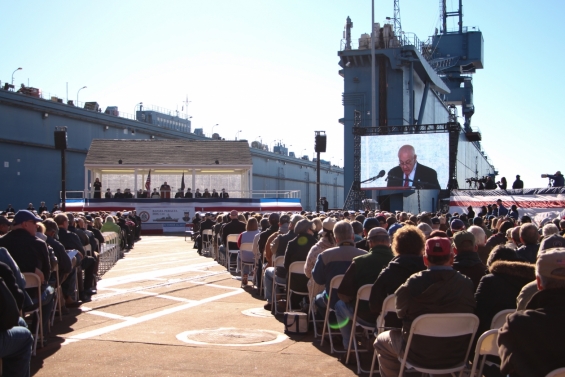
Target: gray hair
x,y
550,229
303,225
343,231
109,219
479,233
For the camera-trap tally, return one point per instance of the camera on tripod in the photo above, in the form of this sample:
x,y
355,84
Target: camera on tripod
x,y
478,180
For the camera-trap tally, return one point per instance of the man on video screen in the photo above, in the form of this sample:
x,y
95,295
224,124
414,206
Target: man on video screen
x,y
411,173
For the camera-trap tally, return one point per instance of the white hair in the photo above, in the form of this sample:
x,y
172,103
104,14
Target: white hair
x,y
479,233
550,229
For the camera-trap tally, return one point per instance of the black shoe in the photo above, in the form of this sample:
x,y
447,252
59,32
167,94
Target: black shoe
x,y
91,291
84,297
267,306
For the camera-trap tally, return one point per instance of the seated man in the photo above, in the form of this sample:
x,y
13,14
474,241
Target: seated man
x,y
439,289
16,340
335,261
363,270
467,259
529,342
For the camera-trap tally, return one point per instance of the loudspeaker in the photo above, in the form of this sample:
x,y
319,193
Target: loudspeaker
x,y
320,143
61,140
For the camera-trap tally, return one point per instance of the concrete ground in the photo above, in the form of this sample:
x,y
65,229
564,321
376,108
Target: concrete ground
x,y
163,310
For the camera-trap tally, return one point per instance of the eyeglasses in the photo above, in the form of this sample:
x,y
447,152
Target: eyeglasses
x,y
406,163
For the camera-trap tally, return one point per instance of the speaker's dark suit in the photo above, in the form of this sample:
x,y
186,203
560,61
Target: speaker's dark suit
x,y
424,177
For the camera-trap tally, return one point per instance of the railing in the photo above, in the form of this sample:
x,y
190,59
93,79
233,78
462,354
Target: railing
x,y
110,251
233,194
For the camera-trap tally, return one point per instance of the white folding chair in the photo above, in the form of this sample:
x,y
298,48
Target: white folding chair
x,y
441,326
58,297
500,318
229,252
486,345
363,294
247,258
389,305
33,281
557,373
206,239
334,284
295,268
278,262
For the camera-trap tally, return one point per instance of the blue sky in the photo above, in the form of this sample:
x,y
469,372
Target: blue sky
x,y
269,68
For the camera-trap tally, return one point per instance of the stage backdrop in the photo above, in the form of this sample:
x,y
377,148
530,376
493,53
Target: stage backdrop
x,y
380,152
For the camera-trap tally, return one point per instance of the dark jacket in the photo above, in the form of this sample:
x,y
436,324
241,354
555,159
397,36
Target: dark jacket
x,y
470,265
233,227
264,236
70,241
363,245
364,269
64,262
283,241
528,252
8,276
400,268
496,239
297,251
29,252
435,291
498,290
424,176
531,341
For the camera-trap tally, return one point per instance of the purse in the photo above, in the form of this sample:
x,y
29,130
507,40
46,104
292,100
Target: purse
x,y
295,323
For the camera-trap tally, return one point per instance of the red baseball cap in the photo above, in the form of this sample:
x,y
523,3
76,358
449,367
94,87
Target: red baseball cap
x,y
438,246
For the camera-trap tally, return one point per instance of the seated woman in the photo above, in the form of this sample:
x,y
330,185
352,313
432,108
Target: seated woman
x,y
247,256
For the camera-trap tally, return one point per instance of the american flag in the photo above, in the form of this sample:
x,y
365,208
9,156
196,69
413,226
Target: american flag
x,y
148,181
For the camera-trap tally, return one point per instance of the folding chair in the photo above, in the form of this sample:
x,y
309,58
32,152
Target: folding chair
x,y
557,373
500,318
246,257
334,284
312,315
389,305
58,297
230,252
363,294
295,268
278,262
486,345
33,281
441,326
206,239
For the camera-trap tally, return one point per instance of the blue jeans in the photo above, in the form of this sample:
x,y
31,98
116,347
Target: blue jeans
x,y
344,314
15,350
269,273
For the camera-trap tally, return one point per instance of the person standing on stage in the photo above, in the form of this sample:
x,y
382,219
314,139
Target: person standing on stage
x,y
97,187
518,184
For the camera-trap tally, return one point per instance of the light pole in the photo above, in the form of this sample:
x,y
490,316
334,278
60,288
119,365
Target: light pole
x,y
236,134
19,69
84,87
213,129
134,109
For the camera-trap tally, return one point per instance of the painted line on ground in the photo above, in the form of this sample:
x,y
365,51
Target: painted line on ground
x,y
147,317
152,274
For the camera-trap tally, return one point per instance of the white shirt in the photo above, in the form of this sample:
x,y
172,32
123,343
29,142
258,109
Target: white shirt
x,y
411,176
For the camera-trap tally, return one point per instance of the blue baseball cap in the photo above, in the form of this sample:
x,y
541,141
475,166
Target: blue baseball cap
x,y
23,216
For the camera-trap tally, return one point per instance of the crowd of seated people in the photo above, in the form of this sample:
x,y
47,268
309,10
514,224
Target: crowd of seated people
x,y
479,263
60,248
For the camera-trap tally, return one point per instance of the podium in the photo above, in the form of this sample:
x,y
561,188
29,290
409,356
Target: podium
x,y
165,193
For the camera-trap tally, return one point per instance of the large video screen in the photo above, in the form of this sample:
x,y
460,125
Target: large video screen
x,y
407,160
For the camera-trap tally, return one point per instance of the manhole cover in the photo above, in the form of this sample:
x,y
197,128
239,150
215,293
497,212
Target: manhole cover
x,y
258,312
231,337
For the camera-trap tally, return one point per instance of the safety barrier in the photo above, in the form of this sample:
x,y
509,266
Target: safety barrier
x,y
110,252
